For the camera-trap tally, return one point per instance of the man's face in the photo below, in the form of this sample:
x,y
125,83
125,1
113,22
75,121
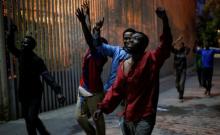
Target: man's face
x,y
127,37
134,44
27,45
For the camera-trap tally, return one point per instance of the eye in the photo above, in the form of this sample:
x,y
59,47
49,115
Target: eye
x,y
126,38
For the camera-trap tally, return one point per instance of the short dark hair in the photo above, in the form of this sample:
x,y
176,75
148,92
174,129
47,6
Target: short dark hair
x,y
103,40
129,30
144,41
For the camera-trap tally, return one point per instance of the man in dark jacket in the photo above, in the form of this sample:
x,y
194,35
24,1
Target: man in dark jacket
x,y
180,65
31,68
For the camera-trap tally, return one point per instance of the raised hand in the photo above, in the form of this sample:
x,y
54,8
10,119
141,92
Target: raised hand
x,y
80,14
99,24
85,7
161,13
61,99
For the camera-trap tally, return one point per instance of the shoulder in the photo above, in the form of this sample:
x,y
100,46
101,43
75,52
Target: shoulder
x,y
37,59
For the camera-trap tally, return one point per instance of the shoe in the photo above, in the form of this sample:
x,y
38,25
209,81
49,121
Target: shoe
x,y
181,100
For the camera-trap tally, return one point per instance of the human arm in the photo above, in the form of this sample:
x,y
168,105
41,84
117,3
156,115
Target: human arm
x,y
87,34
86,11
50,81
113,97
216,50
177,40
10,41
55,87
163,50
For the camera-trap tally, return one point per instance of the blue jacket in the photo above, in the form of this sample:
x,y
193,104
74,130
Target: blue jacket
x,y
117,54
207,57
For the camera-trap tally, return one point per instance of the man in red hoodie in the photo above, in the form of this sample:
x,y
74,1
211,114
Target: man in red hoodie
x,y
137,82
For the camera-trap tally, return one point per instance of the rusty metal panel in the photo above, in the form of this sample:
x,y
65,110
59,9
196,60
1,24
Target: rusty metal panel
x,y
60,41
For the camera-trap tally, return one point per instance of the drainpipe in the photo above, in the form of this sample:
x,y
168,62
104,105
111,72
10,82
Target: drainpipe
x,y
4,99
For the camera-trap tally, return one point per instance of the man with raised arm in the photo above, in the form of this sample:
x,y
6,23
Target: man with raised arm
x,y
180,65
207,61
137,82
31,68
91,89
116,52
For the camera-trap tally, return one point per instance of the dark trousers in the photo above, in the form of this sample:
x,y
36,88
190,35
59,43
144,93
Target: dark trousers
x,y
199,74
142,127
207,78
30,111
180,81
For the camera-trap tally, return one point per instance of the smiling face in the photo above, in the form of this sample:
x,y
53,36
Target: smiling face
x,y
136,44
127,37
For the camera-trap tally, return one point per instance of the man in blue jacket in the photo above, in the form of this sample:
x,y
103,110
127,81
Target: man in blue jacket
x,y
207,55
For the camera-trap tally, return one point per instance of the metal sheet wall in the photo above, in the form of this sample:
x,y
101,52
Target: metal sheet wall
x,y
60,41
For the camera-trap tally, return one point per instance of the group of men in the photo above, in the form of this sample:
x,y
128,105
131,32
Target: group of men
x,y
133,81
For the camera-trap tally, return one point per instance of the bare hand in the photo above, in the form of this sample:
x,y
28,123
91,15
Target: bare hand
x,y
80,14
61,99
161,13
99,24
85,7
97,114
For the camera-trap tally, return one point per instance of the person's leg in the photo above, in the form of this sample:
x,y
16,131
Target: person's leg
x,y
123,125
144,127
199,72
31,129
31,117
178,75
82,115
34,111
129,128
121,118
41,128
209,81
92,105
182,83
204,78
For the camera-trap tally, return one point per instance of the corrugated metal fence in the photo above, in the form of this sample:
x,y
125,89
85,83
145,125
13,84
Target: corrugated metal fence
x,y
60,41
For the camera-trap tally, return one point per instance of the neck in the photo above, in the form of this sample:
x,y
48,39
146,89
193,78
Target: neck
x,y
136,57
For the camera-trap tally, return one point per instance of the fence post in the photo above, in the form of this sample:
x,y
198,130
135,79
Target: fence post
x,y
4,99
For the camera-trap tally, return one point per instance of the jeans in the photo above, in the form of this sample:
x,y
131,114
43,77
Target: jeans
x,y
199,73
141,127
207,74
180,81
85,108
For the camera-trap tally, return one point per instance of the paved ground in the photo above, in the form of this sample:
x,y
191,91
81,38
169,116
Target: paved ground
x,y
197,115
